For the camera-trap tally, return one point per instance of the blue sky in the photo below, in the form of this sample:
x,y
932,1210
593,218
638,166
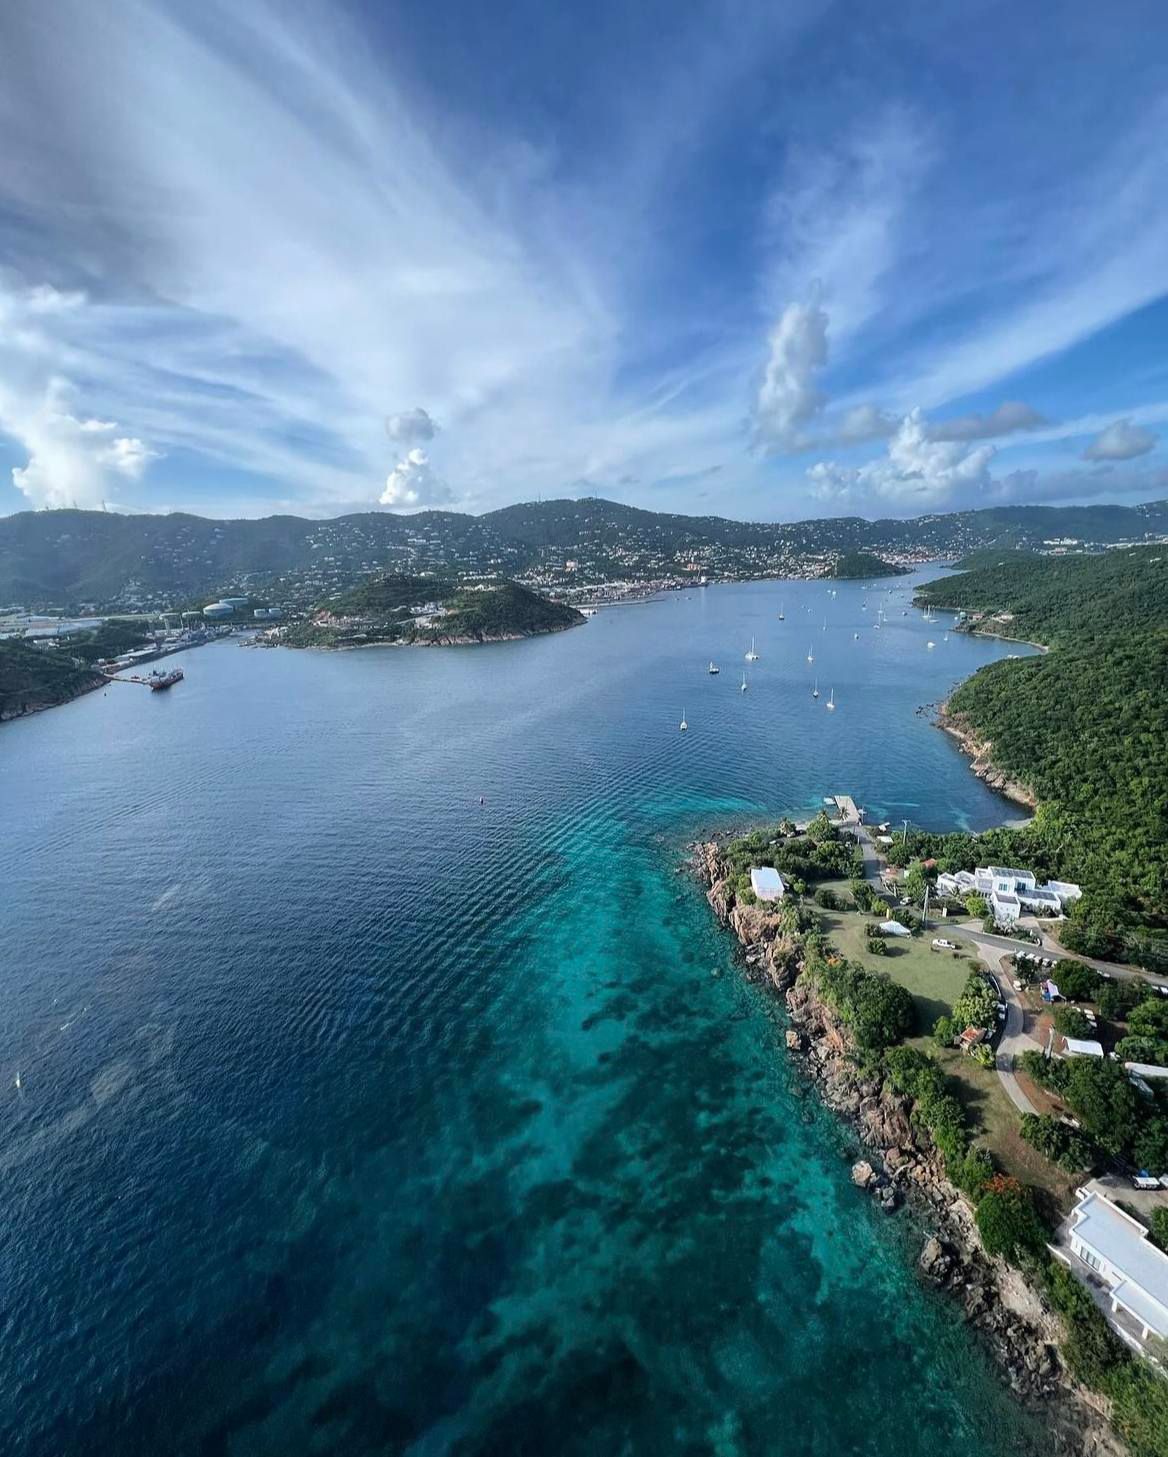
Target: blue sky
x,y
770,261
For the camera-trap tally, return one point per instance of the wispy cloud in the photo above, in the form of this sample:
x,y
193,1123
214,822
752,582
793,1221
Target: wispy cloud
x,y
1121,441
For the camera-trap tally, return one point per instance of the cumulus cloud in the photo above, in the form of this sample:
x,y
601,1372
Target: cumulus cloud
x,y
414,482
1121,441
788,396
71,461
410,426
1010,417
916,469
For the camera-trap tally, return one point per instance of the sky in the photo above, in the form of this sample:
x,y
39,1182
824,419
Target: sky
x,y
769,261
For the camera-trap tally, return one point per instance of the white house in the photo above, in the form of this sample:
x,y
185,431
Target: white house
x,y
947,885
1003,878
1066,890
1082,1047
1005,906
1006,880
767,883
1116,1252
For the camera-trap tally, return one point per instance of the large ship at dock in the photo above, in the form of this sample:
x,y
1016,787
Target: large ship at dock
x,y
159,680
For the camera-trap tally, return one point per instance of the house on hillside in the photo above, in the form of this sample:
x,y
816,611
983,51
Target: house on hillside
x,y
1005,907
1113,1256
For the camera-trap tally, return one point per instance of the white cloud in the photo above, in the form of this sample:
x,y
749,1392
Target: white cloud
x,y
788,396
865,422
414,483
410,426
70,460
1009,417
1120,441
917,469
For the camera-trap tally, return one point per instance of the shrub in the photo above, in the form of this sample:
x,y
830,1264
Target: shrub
x,y
1008,1222
982,1054
877,946
1150,1019
1117,998
1071,1022
827,898
1160,1227
877,1010
976,906
972,1172
945,1031
1091,1349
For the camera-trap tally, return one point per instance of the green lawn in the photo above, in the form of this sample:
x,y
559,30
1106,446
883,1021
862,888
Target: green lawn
x,y
934,978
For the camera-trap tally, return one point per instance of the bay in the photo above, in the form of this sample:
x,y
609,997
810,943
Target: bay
x,y
356,1116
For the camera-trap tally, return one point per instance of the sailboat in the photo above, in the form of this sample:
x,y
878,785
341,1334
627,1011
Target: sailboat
x,y
810,655
713,668
745,685
825,624
831,699
815,690
946,637
782,616
855,637
752,656
930,643
683,725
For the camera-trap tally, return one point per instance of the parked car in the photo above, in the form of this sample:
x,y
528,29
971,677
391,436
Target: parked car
x,y
941,943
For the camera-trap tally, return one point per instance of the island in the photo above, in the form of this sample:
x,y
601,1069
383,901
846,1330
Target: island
x,y
430,612
860,565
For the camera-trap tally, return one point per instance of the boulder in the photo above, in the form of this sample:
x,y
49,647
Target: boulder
x,y
937,1260
863,1174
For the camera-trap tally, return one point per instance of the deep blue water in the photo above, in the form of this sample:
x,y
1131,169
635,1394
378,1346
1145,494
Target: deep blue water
x,y
354,1117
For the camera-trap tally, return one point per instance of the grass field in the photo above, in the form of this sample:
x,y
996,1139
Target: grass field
x,y
934,978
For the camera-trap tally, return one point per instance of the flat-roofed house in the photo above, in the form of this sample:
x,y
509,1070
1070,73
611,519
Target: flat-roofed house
x,y
1005,906
767,883
1112,1252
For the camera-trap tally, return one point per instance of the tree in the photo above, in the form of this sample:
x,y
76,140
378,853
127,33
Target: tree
x,y
1071,1022
1078,983
821,828
1057,1142
877,946
976,906
916,883
1007,1221
1117,998
827,898
1160,1226
1150,1018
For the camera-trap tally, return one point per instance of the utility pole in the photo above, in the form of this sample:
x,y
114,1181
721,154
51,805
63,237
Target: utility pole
x,y
925,912
904,841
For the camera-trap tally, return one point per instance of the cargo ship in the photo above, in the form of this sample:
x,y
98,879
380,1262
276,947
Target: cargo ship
x,y
159,680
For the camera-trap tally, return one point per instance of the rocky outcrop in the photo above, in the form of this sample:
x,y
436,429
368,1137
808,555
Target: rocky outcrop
x,y
901,1165
980,753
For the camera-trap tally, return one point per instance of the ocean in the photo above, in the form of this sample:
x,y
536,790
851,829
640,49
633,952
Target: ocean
x,y
346,1114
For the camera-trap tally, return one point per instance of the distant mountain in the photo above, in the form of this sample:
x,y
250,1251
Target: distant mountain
x,y
69,558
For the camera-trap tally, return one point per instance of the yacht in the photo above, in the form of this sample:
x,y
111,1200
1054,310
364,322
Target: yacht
x,y
713,668
815,690
830,699
810,655
930,643
782,615
855,637
683,725
752,656
745,685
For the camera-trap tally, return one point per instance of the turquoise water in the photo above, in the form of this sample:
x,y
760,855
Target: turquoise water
x,y
355,1117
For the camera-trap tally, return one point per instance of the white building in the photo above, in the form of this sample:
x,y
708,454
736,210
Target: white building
x,y
1005,907
1004,879
1020,885
767,883
1110,1249
1066,890
1082,1047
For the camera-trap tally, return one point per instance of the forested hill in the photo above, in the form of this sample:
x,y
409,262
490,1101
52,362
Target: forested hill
x,y
67,558
1062,599
1086,727
407,609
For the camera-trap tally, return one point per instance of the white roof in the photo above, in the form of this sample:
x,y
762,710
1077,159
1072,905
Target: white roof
x,y
1083,1047
1145,1069
1008,870
894,928
766,883
1123,1244
1004,898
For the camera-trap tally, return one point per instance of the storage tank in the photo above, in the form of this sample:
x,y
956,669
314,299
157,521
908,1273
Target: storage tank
x,y
217,610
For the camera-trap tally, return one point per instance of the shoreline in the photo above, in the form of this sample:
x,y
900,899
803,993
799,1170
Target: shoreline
x,y
903,1168
980,754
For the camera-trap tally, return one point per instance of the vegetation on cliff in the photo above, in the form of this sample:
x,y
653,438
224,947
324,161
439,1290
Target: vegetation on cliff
x,y
33,677
1085,727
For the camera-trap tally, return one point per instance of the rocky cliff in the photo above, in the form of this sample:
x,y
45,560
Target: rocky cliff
x,y
980,753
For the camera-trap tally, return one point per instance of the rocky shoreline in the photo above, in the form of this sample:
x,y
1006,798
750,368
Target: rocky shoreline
x,y
902,1166
980,752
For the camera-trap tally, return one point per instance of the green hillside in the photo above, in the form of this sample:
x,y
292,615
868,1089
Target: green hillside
x,y
859,565
1085,727
33,677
